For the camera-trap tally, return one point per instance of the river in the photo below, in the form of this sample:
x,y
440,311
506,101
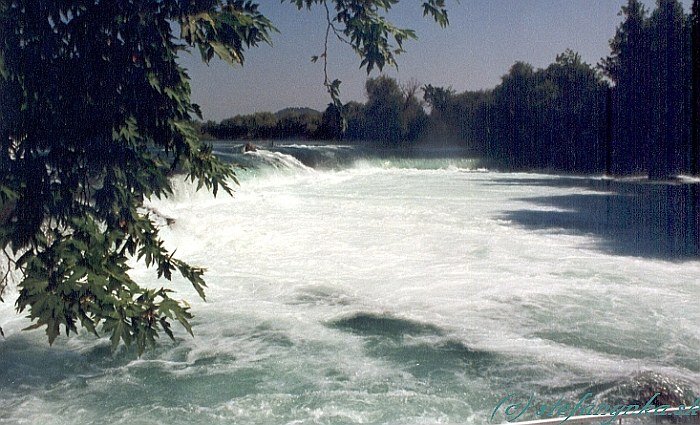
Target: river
x,y
390,291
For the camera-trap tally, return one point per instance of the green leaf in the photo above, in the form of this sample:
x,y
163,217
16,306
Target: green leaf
x,y
225,53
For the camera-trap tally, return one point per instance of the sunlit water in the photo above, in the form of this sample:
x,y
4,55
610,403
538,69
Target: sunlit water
x,y
381,293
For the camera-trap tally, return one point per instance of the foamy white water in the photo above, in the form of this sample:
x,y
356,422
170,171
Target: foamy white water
x,y
376,295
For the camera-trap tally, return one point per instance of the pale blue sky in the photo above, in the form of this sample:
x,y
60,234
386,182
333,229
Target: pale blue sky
x,y
484,39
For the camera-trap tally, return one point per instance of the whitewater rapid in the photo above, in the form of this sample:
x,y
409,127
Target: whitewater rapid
x,y
377,294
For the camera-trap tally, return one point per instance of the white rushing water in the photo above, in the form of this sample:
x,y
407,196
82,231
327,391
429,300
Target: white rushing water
x,y
378,295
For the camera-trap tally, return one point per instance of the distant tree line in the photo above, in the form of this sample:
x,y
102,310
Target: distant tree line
x,y
651,67
289,123
632,114
636,112
551,118
392,117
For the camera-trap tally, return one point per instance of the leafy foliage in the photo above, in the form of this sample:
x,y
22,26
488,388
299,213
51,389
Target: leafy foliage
x,y
100,116
361,25
96,114
371,34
